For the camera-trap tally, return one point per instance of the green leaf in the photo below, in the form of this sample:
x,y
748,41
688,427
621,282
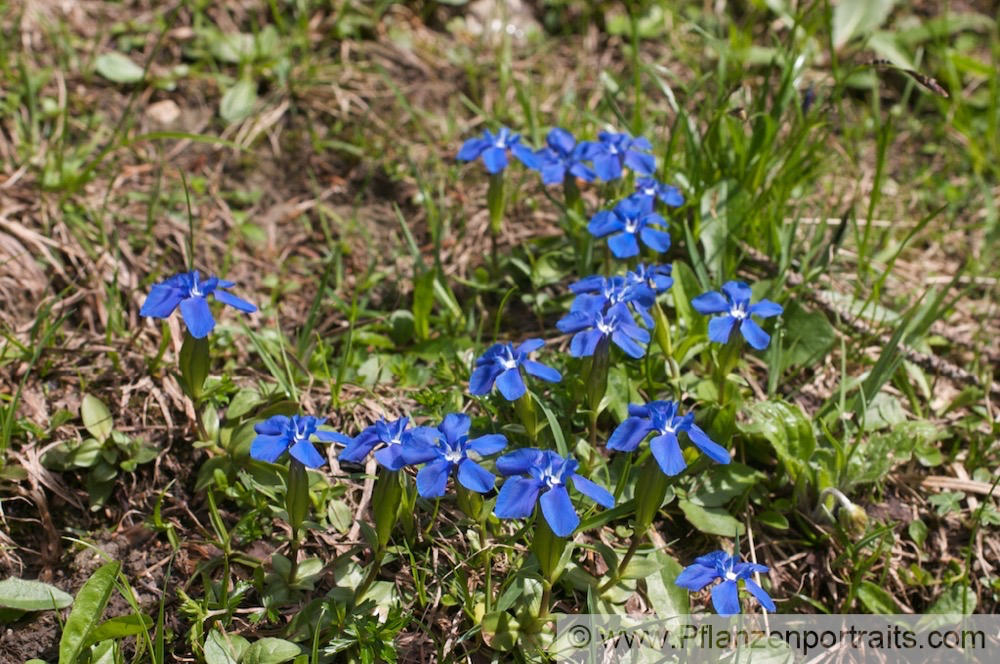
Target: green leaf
x,y
787,429
723,483
712,520
423,303
88,607
223,648
120,627
28,595
918,532
232,47
858,17
808,337
500,631
773,519
71,454
238,101
957,600
118,68
270,651
877,600
96,417
640,568
667,598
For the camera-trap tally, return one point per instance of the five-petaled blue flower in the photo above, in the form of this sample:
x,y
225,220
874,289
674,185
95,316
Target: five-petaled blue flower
x,y
591,325
502,364
664,419
281,433
615,151
563,155
654,189
188,292
655,277
548,475
630,289
737,310
493,148
726,595
631,220
448,447
392,436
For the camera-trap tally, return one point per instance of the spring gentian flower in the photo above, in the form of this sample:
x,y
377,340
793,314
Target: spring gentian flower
x,y
502,363
631,220
563,155
448,447
493,148
734,303
726,595
187,291
654,189
663,418
615,151
548,475
655,277
629,289
591,325
281,433
392,436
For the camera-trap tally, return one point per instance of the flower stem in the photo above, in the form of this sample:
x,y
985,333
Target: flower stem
x,y
637,536
525,409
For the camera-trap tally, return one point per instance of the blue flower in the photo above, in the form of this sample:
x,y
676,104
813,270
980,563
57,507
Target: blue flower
x,y
631,220
563,155
281,433
502,364
493,148
614,151
655,277
664,419
591,325
654,189
630,289
726,595
392,436
186,291
548,476
735,304
448,447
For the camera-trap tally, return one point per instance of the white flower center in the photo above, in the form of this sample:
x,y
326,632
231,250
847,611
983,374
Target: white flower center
x,y
738,312
730,576
605,328
501,143
631,225
613,149
195,291
649,191
509,364
454,456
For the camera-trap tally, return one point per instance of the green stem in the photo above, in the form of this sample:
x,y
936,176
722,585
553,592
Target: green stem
x,y
371,576
623,565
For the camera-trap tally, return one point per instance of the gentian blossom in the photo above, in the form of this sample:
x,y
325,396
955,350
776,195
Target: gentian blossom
x,y
615,151
734,304
653,189
548,476
631,220
726,595
448,447
630,289
294,434
562,156
493,149
591,325
663,419
501,364
187,291
391,436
